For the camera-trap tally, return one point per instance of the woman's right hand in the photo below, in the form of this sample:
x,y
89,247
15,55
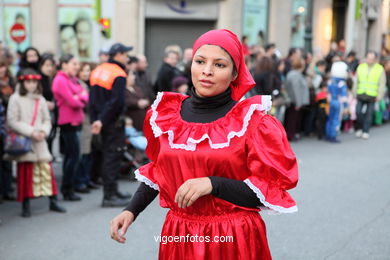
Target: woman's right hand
x,y
121,222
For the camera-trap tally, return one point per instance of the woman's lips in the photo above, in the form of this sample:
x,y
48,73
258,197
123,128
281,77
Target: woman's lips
x,y
206,83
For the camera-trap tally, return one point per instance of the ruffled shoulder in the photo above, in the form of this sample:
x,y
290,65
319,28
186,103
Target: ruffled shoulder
x,y
166,119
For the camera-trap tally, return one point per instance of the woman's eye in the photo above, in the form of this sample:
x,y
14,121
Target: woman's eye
x,y
220,65
199,61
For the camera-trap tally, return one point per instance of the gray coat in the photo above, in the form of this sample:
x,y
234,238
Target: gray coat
x,y
297,88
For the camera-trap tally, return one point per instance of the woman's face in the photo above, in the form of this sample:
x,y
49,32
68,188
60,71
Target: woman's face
x,y
85,72
211,71
69,41
48,68
130,79
32,56
83,33
31,85
72,67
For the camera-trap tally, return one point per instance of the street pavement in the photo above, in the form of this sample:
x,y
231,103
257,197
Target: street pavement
x,y
343,198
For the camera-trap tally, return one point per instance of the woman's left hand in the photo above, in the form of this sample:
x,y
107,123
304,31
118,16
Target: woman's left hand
x,y
191,190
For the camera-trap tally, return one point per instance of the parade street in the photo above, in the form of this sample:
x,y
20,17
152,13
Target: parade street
x,y
343,199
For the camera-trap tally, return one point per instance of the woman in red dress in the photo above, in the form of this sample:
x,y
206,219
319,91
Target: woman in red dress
x,y
215,162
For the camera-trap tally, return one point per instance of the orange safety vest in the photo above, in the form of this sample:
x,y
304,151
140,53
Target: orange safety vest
x,y
105,74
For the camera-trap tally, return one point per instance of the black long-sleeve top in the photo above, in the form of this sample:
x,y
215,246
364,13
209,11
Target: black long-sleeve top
x,y
203,110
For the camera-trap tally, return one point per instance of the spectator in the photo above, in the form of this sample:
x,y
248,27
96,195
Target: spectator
x,y
83,176
30,59
298,93
107,104
369,88
28,115
47,70
132,64
293,54
167,72
7,87
103,56
71,99
352,61
136,103
180,85
143,79
265,78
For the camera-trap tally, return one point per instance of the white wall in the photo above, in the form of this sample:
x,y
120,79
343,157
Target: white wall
x,y
44,26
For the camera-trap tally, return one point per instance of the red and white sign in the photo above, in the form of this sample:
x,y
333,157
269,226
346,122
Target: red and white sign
x,y
18,33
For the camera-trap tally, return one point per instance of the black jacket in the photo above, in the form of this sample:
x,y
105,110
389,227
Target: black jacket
x,y
108,105
164,78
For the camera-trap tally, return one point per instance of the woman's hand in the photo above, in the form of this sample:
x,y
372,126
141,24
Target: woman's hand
x,y
191,190
121,222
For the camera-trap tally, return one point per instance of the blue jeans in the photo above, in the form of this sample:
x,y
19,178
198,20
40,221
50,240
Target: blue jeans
x,y
83,171
71,150
364,120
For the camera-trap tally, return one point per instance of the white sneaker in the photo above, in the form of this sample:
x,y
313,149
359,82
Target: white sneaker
x,y
359,133
365,136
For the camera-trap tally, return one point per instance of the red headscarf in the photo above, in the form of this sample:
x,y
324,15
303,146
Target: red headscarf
x,y
230,43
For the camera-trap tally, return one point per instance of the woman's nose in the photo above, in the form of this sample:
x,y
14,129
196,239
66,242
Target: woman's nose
x,y
207,70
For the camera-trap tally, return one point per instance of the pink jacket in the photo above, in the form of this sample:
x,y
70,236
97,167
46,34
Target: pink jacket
x,y
71,99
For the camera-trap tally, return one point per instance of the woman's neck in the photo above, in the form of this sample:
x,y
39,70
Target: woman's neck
x,y
204,110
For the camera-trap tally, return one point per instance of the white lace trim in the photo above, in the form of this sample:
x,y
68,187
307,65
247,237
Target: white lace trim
x,y
145,180
265,105
277,209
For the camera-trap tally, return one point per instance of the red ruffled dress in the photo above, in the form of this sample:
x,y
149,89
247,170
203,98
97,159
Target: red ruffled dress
x,y
246,144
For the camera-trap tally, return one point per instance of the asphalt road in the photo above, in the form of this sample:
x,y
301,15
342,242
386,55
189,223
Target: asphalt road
x,y
343,198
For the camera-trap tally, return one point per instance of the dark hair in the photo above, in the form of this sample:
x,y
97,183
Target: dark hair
x,y
372,52
83,64
81,19
321,63
132,59
23,64
269,46
65,58
4,63
291,51
45,57
264,64
351,54
22,89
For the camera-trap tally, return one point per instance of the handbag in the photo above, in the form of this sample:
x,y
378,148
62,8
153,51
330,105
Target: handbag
x,y
17,144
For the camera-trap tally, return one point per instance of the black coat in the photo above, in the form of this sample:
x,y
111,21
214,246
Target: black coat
x,y
164,78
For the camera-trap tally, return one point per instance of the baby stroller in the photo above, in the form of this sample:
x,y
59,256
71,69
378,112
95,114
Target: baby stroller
x,y
133,159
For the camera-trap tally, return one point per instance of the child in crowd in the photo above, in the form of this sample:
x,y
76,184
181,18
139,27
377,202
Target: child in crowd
x,y
180,85
136,138
337,96
350,118
322,109
28,115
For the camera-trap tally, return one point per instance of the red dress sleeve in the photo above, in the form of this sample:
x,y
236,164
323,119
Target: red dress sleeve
x,y
146,173
272,164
